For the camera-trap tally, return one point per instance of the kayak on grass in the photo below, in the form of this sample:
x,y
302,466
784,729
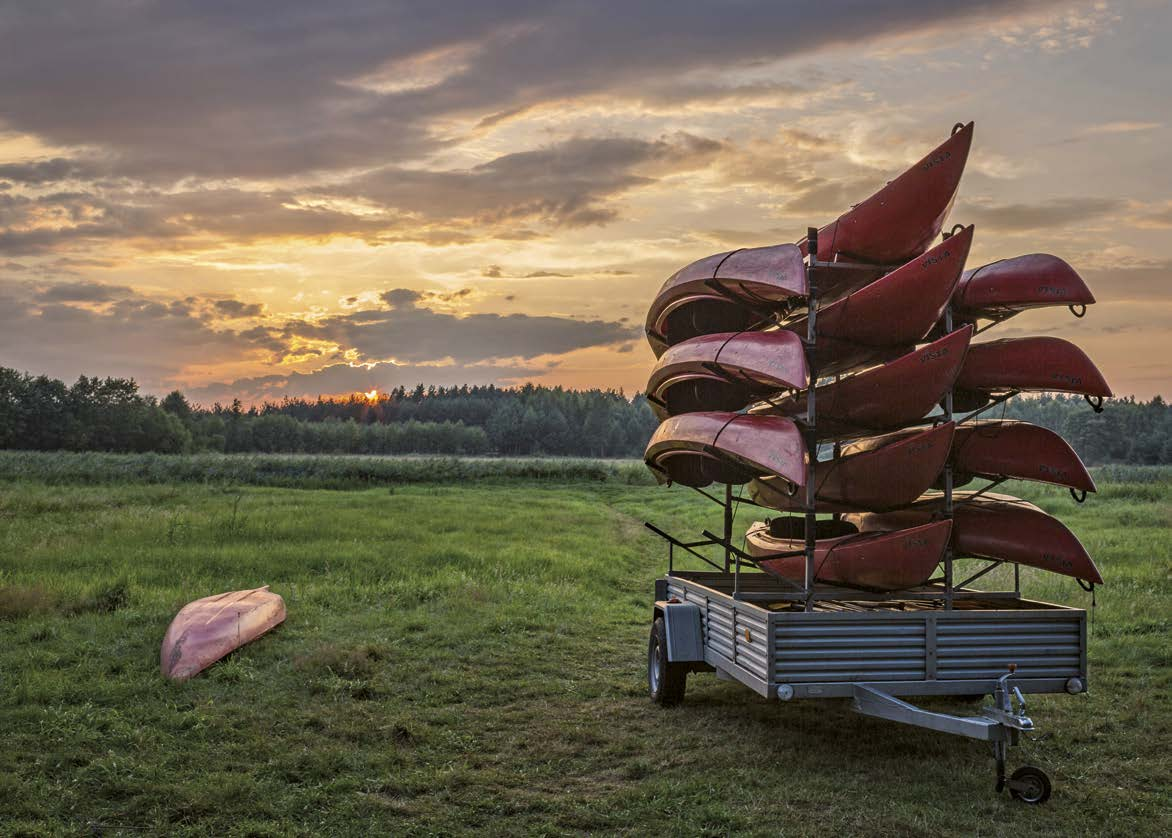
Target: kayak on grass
x,y
885,397
998,527
901,220
697,449
726,292
887,477
725,371
879,561
210,628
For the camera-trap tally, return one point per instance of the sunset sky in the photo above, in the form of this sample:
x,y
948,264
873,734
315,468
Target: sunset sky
x,y
268,198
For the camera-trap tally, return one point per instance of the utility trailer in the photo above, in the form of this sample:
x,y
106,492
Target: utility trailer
x,y
788,640
873,650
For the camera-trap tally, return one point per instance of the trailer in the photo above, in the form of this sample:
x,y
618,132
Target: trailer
x,y
791,641
874,651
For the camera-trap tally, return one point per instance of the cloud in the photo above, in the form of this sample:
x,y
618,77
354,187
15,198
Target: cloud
x,y
1022,218
43,330
1121,127
337,379
236,308
84,291
408,332
217,90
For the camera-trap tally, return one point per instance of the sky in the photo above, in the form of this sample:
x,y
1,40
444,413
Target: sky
x,y
291,197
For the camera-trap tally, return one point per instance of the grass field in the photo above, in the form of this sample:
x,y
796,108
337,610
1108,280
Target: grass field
x,y
470,658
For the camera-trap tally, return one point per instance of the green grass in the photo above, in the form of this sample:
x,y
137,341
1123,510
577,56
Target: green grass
x,y
306,471
470,658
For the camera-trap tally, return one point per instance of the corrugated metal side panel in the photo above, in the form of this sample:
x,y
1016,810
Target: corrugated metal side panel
x,y
718,629
751,641
849,650
1041,648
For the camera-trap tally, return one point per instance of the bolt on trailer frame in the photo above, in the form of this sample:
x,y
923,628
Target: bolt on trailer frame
x,y
792,641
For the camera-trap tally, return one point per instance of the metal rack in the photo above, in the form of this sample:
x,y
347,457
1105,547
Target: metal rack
x,y
810,592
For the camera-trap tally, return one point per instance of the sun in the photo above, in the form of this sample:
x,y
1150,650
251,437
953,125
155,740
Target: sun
x,y
372,396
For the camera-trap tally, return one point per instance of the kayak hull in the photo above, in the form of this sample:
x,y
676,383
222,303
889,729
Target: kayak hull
x,y
901,220
887,477
725,292
885,397
997,527
725,371
1003,450
1042,364
697,449
883,561
900,308
1001,289
206,630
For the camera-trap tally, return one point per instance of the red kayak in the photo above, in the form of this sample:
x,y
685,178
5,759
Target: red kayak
x,y
998,527
725,371
879,561
901,220
1001,289
884,478
727,292
900,308
1035,363
884,397
697,449
1002,450
208,629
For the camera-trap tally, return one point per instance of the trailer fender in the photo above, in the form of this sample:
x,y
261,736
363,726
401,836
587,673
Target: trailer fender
x,y
685,644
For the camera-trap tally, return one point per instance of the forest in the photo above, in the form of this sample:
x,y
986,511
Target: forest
x,y
110,414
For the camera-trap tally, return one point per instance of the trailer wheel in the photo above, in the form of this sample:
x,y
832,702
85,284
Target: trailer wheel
x,y
666,681
1029,785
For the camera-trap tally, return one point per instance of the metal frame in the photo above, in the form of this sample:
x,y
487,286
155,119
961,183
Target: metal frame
x,y
813,640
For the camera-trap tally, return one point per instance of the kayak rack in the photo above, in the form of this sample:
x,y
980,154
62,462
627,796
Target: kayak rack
x,y
790,640
839,274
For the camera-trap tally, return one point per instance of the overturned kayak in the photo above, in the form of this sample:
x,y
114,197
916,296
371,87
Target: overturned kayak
x,y
725,371
998,527
1001,289
885,397
897,310
901,220
881,561
887,477
1042,364
1002,450
697,449
726,292
208,629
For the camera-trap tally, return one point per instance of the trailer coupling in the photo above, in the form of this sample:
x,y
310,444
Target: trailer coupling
x,y
1001,724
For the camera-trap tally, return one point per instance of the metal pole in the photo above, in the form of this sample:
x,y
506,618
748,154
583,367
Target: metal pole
x,y
728,523
948,482
811,410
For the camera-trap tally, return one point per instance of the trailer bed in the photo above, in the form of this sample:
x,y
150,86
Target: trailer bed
x,y
910,647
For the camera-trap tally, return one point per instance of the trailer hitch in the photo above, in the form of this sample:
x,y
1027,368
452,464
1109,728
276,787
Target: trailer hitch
x,y
1000,724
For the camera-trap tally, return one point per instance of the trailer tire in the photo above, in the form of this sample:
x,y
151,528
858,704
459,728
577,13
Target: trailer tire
x,y
666,681
1029,785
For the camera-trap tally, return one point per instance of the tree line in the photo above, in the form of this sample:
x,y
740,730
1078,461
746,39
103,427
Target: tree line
x,y
110,414
42,413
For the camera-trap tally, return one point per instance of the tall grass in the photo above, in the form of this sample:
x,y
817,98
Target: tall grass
x,y
308,471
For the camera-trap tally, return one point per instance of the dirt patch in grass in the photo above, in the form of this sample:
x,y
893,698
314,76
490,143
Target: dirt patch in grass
x,y
350,663
20,601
